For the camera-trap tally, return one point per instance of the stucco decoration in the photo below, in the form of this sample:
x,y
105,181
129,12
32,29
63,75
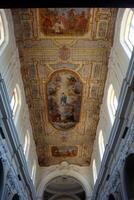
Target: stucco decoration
x,y
64,169
80,55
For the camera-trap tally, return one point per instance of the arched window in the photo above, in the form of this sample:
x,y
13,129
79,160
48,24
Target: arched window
x,y
112,103
3,30
16,197
15,101
127,31
101,144
111,197
33,172
26,144
94,170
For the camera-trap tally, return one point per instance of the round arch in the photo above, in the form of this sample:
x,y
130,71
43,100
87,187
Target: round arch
x,y
125,41
56,173
111,197
16,197
67,195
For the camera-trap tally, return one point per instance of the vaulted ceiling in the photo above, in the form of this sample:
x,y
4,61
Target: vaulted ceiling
x,y
64,56
64,188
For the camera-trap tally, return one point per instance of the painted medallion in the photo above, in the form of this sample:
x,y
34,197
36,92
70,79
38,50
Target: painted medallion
x,y
63,21
64,91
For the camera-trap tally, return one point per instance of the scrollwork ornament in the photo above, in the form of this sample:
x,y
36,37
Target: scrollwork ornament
x,y
12,181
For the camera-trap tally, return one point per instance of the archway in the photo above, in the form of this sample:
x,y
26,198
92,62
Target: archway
x,y
111,197
64,187
1,178
129,176
63,172
16,197
64,197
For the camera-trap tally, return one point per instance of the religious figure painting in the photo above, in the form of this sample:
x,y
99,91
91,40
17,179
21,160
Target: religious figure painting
x,y
66,21
64,151
64,93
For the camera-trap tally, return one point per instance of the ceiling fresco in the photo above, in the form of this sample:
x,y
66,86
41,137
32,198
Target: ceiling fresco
x,y
64,151
64,71
64,93
67,21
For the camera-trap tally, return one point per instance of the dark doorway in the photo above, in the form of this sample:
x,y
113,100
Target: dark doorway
x,y
129,176
1,178
16,197
111,197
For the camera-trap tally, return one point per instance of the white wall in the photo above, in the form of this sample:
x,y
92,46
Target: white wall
x,y
10,71
117,68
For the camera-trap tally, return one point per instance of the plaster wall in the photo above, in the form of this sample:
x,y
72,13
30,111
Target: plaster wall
x,y
117,68
10,72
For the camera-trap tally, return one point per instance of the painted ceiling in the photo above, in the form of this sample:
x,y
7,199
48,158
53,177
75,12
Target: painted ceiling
x,y
64,60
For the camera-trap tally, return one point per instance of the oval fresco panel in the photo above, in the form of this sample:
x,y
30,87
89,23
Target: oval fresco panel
x,y
64,93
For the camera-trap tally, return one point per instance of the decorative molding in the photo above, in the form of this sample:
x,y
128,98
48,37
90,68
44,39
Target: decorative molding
x,y
118,148
11,154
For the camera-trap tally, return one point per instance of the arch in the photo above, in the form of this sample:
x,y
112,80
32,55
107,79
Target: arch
x,y
15,102
4,33
112,103
94,169
27,144
16,197
71,173
111,197
72,197
127,31
1,178
129,176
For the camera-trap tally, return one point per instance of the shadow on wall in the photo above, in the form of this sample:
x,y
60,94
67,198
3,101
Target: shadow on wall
x,y
1,178
129,176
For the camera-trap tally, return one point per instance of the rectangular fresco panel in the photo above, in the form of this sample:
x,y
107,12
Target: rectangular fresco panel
x,y
64,151
63,21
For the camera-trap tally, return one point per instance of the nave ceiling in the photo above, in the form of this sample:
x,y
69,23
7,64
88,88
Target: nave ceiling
x,y
64,61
